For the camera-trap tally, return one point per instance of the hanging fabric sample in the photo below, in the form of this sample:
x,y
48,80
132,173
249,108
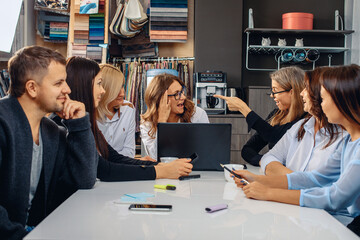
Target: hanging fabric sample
x,y
129,18
139,46
168,20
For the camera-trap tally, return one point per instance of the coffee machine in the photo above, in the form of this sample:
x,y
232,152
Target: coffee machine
x,y
206,85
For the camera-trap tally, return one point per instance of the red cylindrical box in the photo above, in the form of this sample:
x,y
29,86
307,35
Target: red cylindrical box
x,y
297,20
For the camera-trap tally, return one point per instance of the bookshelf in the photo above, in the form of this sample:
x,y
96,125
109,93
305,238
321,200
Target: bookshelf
x,y
72,22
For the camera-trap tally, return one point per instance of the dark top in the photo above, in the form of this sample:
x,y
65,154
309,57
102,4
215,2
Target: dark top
x,y
265,135
355,226
121,168
67,164
118,167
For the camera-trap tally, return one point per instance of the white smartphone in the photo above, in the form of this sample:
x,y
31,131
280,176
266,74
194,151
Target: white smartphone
x,y
150,207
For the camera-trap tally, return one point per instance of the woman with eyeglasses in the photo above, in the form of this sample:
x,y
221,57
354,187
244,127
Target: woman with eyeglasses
x,y
309,141
287,83
335,187
166,101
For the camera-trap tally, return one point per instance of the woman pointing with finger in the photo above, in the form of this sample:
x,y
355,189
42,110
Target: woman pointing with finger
x,y
287,83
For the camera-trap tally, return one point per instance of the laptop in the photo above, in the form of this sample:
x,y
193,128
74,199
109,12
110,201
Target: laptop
x,y
211,142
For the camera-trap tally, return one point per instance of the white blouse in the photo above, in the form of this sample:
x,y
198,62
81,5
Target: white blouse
x,y
305,155
119,132
150,143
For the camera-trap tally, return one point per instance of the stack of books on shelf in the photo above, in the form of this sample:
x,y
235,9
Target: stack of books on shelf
x,y
168,20
59,31
94,52
78,50
81,29
53,27
96,28
88,29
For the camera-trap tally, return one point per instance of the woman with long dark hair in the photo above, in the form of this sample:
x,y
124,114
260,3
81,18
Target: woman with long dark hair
x,y
310,140
334,187
84,80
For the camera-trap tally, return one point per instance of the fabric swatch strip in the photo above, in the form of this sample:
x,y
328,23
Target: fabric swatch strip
x,y
168,20
88,32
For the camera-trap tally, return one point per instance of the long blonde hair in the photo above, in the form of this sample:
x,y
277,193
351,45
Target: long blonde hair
x,y
112,82
156,89
289,78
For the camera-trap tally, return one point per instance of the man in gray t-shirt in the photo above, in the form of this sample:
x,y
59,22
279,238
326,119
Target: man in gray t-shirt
x,y
40,161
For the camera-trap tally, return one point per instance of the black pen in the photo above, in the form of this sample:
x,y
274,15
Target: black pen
x,y
235,174
189,177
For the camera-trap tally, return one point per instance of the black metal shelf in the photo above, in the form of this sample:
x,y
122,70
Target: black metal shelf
x,y
275,49
294,31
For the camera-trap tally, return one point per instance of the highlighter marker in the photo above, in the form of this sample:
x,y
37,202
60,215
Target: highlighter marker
x,y
165,187
216,208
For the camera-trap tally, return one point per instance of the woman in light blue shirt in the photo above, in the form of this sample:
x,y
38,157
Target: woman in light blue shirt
x,y
311,140
335,187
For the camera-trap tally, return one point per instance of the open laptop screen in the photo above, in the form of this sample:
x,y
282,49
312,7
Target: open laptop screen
x,y
211,142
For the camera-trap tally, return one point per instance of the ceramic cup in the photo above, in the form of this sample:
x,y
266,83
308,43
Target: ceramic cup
x,y
167,159
231,166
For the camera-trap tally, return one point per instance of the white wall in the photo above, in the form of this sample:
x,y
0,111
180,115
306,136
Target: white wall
x,y
25,33
352,22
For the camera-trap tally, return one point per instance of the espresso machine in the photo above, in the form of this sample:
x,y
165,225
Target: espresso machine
x,y
206,85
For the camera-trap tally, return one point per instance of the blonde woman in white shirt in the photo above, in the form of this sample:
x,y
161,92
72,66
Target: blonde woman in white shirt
x,y
115,116
166,101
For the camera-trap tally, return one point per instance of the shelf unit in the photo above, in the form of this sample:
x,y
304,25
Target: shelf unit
x,y
251,49
72,25
296,32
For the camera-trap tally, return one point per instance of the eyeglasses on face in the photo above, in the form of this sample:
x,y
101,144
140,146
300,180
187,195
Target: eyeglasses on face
x,y
273,93
177,95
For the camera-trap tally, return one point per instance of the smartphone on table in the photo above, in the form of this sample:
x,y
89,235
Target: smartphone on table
x,y
150,207
194,157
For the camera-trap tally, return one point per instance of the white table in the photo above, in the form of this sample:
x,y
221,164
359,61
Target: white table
x,y
92,214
